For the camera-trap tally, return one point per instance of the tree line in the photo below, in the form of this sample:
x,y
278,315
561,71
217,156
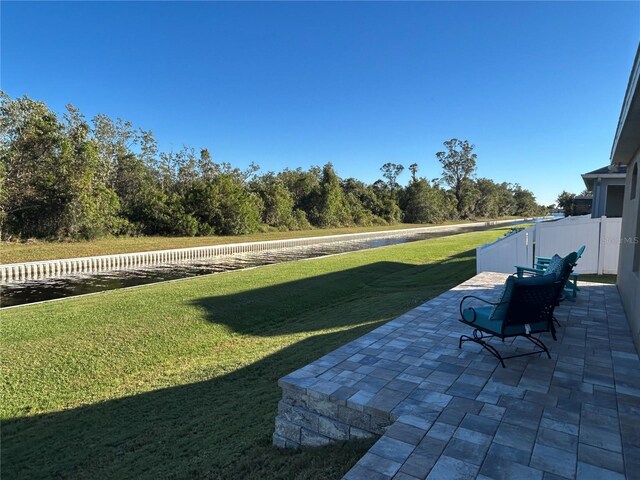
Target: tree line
x,y
64,177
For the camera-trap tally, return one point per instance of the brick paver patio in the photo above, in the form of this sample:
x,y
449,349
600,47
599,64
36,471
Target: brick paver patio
x,y
445,413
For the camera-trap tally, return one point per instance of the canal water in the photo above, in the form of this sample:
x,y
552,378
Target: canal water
x,y
30,291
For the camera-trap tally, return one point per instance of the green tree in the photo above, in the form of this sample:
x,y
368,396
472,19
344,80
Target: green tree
x,y
304,187
93,207
331,209
458,166
413,168
53,186
506,202
143,202
387,204
493,199
364,205
236,210
33,198
278,204
423,202
112,139
525,202
391,171
565,202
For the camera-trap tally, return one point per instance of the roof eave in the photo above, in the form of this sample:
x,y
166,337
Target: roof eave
x,y
627,140
588,182
604,175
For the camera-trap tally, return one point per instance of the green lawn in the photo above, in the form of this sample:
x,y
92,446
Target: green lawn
x,y
597,278
15,252
179,379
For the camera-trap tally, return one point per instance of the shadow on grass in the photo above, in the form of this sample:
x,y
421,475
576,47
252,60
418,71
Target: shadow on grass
x,y
338,299
221,428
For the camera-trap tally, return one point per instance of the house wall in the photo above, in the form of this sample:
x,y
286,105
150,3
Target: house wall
x,y
629,259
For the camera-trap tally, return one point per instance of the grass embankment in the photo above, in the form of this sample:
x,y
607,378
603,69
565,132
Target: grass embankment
x,y
179,379
31,251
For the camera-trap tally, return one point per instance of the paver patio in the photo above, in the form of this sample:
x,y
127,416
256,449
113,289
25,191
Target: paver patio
x,y
442,413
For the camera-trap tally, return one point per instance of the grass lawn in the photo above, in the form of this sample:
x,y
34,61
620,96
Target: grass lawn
x,y
15,252
178,379
597,278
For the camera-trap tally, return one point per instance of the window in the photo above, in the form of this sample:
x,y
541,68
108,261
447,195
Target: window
x,y
634,181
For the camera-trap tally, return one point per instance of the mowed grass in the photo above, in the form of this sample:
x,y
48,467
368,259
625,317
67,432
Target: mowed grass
x,y
179,380
607,278
15,252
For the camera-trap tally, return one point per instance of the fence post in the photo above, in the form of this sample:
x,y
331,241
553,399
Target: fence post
x,y
537,231
602,244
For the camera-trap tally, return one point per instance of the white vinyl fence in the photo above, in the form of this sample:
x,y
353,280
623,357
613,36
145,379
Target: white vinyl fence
x,y
504,253
601,236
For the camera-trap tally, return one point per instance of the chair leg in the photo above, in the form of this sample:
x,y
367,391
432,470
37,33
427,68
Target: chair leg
x,y
539,343
478,338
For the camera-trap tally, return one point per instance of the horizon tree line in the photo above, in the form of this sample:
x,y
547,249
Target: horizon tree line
x,y
63,177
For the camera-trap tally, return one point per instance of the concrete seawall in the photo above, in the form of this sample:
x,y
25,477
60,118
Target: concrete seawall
x,y
20,272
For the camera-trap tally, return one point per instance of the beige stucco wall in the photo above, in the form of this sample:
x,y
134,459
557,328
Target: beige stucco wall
x,y
628,279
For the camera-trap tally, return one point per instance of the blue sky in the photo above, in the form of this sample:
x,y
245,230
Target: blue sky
x,y
537,87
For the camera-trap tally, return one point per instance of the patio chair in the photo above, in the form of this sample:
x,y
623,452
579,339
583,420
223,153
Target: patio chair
x,y
526,308
543,264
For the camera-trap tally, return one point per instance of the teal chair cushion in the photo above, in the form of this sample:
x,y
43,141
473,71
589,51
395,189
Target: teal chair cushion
x,y
484,321
498,312
481,316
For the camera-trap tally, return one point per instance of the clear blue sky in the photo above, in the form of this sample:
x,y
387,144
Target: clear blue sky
x,y
537,87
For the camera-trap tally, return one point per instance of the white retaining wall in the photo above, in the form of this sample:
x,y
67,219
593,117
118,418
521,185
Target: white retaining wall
x,y
18,272
601,236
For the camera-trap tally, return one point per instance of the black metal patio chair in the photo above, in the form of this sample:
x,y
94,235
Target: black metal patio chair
x,y
526,308
562,268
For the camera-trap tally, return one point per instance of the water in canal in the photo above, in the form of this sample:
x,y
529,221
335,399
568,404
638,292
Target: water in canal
x,y
79,284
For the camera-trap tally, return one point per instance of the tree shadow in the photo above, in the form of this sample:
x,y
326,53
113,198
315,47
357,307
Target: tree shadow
x,y
337,299
219,428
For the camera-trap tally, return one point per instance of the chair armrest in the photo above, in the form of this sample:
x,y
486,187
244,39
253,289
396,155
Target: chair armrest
x,y
533,271
477,298
542,262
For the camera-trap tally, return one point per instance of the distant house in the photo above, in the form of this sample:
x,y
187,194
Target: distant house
x,y
582,205
626,151
607,186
